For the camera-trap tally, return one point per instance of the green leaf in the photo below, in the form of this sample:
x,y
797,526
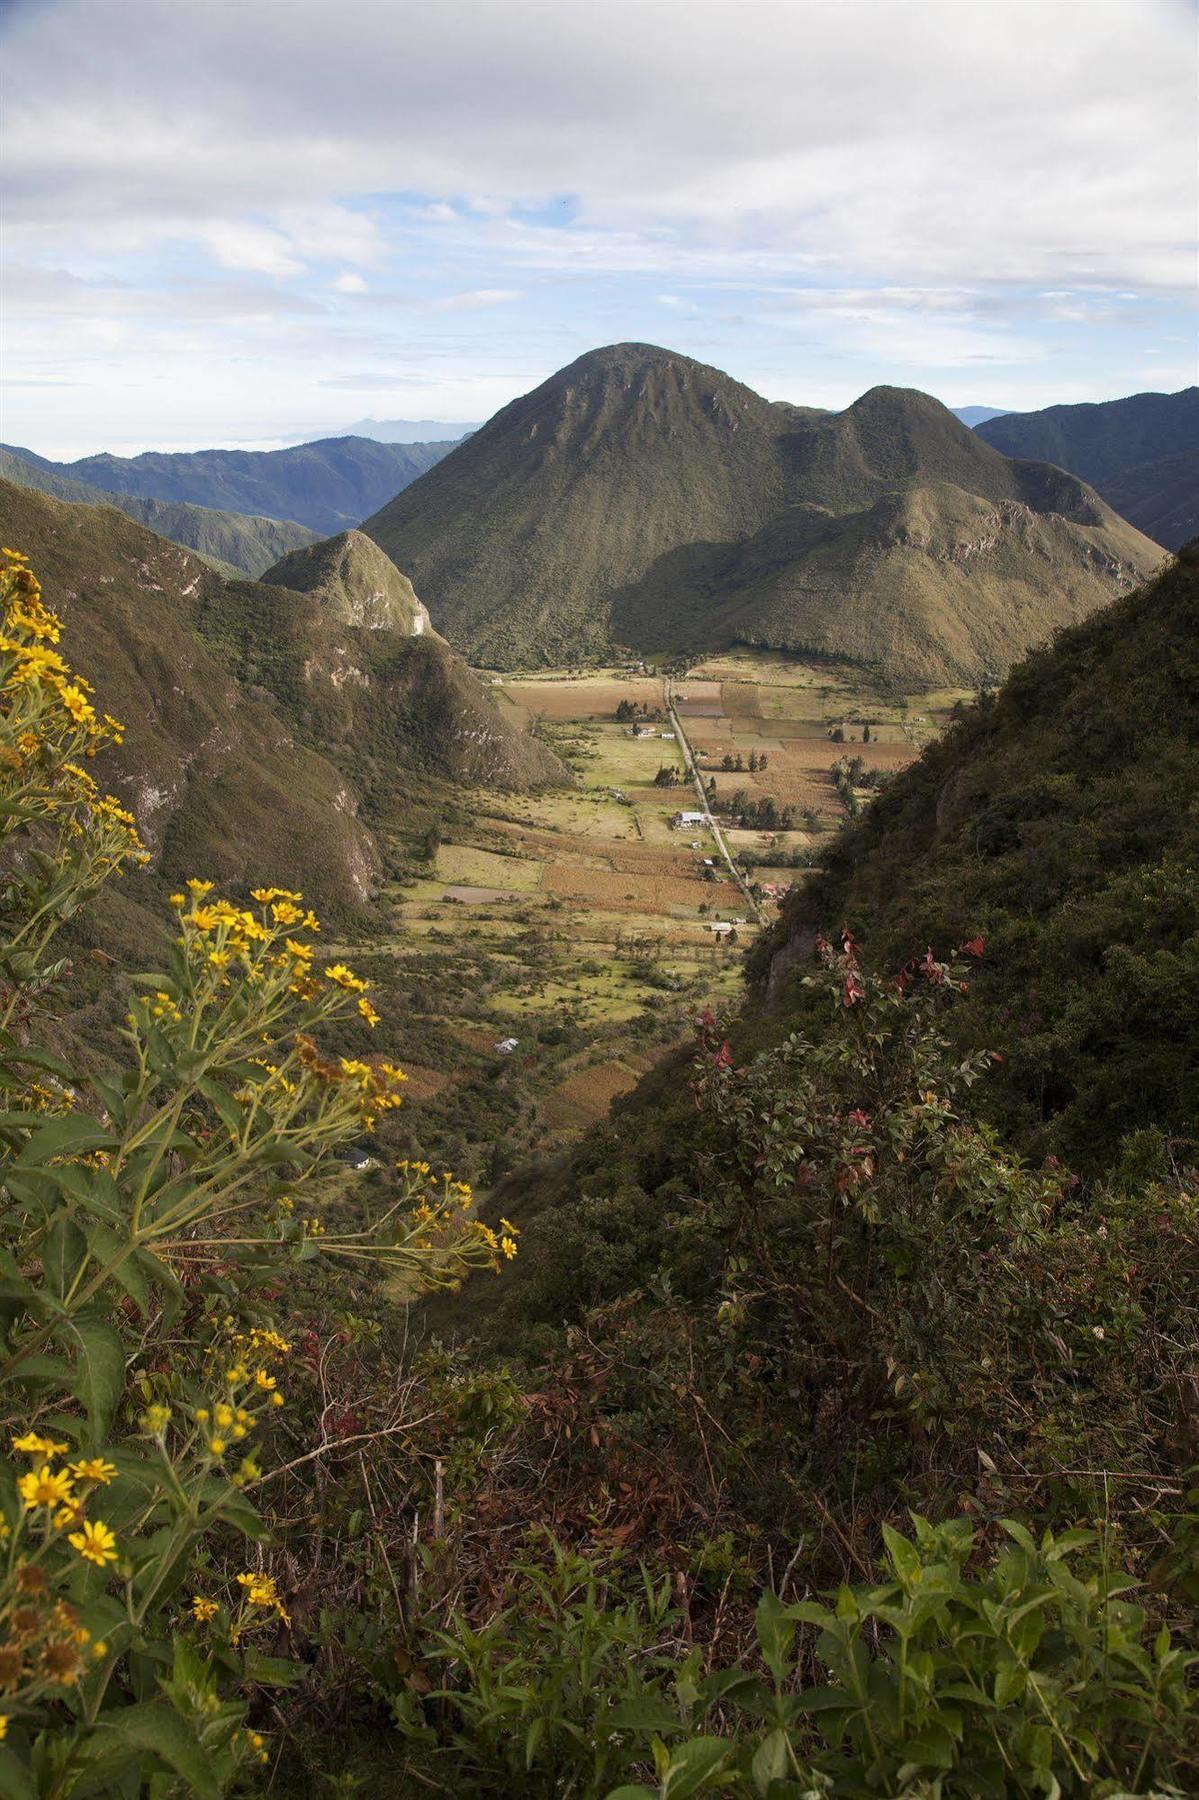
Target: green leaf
x,y
644,1714
691,1765
905,1558
71,1134
772,1760
99,1375
16,1783
107,1247
158,1730
776,1629
64,1247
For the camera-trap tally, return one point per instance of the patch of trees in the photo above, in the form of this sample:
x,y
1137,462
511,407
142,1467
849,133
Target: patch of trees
x,y
755,812
735,764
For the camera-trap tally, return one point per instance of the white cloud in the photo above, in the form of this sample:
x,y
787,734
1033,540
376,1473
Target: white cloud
x,y
348,283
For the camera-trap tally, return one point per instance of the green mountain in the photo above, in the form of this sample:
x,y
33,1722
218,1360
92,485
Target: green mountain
x,y
1060,823
1142,454
233,543
327,485
639,498
261,717
220,784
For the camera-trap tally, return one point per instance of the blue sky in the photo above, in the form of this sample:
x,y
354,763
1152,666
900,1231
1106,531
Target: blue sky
x,y
254,222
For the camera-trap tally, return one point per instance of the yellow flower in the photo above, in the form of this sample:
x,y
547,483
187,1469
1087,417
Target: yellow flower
x,y
217,1446
94,1469
33,1445
509,1227
202,1609
264,1381
345,978
223,1415
276,1398
156,1418
199,888
95,1543
508,1247
260,1590
45,1488
3,1725
368,1012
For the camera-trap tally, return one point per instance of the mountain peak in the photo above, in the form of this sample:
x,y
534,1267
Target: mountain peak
x,y
356,582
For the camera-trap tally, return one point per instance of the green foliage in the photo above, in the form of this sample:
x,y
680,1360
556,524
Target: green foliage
x,y
1035,1675
1060,821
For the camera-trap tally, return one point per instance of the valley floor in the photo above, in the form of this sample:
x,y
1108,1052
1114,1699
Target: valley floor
x,y
555,944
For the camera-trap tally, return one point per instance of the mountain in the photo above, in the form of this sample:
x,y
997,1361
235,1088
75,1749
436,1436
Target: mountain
x,y
410,431
338,635
639,498
260,716
221,786
977,415
1142,454
234,543
327,485
1059,822
355,584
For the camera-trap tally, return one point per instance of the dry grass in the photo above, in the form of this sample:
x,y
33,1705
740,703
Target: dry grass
x,y
588,699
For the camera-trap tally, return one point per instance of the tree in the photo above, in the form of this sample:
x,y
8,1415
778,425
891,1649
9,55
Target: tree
x,y
865,734
762,760
837,734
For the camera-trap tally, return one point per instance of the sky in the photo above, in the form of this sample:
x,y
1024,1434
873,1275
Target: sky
x,y
254,221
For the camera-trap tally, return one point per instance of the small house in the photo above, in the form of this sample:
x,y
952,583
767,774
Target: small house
x,y
688,818
506,1046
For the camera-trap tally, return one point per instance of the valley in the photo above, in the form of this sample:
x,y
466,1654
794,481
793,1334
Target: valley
x,y
549,946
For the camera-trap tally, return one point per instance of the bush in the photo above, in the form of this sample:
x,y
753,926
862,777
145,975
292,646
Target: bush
x,y
127,1196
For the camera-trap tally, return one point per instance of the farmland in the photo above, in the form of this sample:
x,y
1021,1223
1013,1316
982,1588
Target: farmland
x,y
546,948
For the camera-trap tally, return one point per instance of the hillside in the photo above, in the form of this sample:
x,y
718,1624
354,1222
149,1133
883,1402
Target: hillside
x,y
219,784
1061,824
235,543
355,584
327,485
339,637
638,498
1141,453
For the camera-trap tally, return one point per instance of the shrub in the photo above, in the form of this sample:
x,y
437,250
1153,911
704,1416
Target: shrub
x,y
125,1194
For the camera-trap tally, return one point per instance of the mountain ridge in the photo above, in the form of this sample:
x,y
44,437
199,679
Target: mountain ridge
x,y
622,502
326,485
1140,452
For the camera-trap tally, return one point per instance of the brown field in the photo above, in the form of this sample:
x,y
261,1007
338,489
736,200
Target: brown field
x,y
422,1083
581,699
583,1098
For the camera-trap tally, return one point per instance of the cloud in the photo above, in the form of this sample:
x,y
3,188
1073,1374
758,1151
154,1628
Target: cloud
x,y
893,189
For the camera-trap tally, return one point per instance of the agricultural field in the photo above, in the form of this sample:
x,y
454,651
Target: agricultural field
x,y
549,947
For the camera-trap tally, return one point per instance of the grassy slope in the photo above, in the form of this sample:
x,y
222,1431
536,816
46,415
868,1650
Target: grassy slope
x,y
219,783
372,695
641,498
327,485
1142,453
233,543
1062,824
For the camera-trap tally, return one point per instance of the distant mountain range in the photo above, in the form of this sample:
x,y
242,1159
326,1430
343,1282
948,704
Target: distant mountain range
x,y
412,431
328,485
1142,454
639,498
234,543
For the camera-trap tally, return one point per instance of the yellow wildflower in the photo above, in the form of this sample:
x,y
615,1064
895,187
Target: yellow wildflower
x,y
44,1487
95,1543
199,888
34,1445
266,1382
203,1609
368,1012
345,978
94,1468
156,1418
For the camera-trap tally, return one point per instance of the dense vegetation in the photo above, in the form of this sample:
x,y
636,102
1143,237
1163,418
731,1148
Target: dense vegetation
x,y
327,485
1142,454
657,503
821,1440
